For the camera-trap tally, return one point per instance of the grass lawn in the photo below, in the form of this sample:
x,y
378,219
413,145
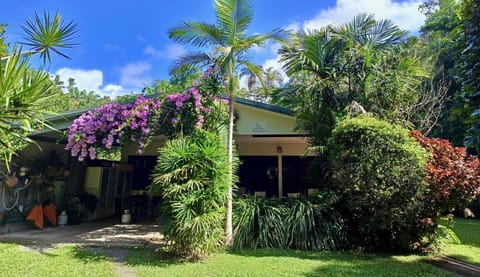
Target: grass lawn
x,y
282,263
74,261
465,241
26,261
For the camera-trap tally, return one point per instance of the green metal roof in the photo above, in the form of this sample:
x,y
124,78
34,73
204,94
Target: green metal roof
x,y
264,106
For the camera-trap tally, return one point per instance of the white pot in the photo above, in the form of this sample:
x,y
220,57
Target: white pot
x,y
126,217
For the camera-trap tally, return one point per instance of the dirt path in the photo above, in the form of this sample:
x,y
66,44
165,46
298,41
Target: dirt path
x,y
118,256
455,266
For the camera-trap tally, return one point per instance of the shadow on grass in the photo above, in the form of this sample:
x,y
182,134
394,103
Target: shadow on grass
x,y
353,263
87,255
266,262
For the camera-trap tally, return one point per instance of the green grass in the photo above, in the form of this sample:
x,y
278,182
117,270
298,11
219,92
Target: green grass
x,y
282,263
65,261
74,261
465,242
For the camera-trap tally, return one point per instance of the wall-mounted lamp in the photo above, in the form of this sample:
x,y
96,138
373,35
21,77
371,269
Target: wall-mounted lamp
x,y
279,150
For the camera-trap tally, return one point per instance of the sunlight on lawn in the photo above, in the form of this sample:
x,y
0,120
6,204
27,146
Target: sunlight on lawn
x,y
283,263
66,261
467,247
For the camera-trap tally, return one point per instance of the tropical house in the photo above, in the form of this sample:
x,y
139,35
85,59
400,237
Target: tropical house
x,y
270,148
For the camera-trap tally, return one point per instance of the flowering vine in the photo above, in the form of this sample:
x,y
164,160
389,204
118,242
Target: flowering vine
x,y
181,113
111,124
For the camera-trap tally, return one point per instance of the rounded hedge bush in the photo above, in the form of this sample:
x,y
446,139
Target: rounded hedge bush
x,y
378,177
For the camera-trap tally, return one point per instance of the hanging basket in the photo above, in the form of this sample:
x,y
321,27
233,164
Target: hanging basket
x,y
11,181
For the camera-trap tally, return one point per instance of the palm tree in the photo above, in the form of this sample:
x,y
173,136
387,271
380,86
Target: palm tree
x,y
228,43
314,56
23,90
261,90
335,57
365,39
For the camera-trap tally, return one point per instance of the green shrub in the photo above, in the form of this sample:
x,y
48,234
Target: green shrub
x,y
259,223
378,172
304,224
192,174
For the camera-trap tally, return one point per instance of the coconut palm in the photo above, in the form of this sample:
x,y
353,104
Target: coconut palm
x,y
23,90
227,44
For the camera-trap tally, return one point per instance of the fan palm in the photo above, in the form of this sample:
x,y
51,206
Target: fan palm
x,y
227,44
23,90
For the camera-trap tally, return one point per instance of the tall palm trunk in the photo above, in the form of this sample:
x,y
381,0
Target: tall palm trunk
x,y
231,117
229,223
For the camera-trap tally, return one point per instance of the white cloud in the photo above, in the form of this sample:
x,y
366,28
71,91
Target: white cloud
x,y
84,79
135,74
113,88
275,64
170,51
91,80
404,14
295,26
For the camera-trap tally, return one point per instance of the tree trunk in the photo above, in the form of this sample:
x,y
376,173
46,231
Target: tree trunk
x,y
228,227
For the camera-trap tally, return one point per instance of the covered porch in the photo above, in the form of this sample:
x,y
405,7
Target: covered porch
x,y
269,145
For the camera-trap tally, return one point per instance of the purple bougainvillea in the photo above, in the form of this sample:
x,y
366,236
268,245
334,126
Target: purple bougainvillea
x,y
111,124
115,124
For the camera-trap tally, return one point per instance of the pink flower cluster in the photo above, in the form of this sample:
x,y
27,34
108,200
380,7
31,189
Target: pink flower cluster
x,y
111,124
189,96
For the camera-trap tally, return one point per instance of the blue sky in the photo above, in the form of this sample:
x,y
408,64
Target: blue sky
x,y
123,45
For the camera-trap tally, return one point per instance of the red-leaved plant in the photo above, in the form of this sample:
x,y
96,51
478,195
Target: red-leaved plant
x,y
452,175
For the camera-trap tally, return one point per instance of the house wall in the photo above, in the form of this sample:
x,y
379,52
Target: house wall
x,y
255,121
150,150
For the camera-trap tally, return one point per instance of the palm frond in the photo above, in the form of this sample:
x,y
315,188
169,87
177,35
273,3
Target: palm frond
x,y
46,34
316,52
256,71
192,60
234,16
385,32
364,30
198,34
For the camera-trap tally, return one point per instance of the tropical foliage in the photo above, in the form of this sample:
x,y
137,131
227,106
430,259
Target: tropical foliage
x,y
361,61
227,44
304,224
452,175
25,91
378,178
192,175
470,60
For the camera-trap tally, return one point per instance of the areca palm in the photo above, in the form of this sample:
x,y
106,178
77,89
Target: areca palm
x,y
227,44
24,90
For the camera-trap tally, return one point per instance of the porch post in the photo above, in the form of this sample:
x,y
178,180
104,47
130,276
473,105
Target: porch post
x,y
280,175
